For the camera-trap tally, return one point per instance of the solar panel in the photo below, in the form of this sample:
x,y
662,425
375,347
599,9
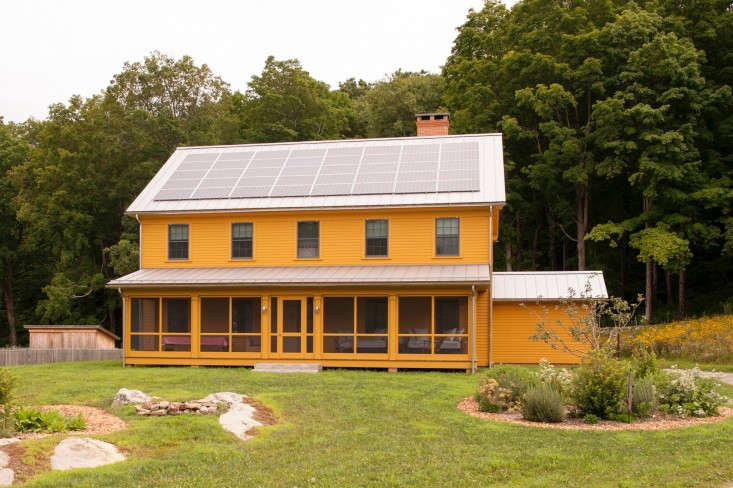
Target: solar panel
x,y
359,170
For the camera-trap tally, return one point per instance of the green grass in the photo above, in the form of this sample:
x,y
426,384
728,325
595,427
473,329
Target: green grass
x,y
358,428
687,364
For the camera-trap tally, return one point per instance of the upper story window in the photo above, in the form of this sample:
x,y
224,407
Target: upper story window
x,y
376,238
446,236
242,240
308,239
178,241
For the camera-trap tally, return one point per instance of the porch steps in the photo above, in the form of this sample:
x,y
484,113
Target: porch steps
x,y
287,367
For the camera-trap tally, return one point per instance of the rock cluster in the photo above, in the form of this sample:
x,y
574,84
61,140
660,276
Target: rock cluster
x,y
125,396
160,408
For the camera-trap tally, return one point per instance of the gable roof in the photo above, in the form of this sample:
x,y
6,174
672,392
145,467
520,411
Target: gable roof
x,y
548,285
391,172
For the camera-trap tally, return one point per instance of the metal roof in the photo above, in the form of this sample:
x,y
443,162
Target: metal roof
x,y
490,187
424,274
548,285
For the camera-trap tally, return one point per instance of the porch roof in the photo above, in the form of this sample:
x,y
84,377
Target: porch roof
x,y
425,274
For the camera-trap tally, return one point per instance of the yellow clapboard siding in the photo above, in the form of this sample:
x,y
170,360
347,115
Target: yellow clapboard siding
x,y
342,239
514,325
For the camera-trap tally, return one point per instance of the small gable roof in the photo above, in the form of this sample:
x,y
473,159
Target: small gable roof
x,y
548,285
392,172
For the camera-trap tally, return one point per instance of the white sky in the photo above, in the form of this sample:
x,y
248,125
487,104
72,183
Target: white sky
x,y
54,49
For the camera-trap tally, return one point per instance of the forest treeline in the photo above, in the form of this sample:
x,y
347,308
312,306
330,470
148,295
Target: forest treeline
x,y
618,134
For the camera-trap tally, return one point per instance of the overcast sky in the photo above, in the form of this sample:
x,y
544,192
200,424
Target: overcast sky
x,y
53,49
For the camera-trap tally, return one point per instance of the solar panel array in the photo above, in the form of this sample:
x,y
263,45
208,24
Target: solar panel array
x,y
364,170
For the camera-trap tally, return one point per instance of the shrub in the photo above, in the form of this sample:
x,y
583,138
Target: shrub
x,y
7,385
560,379
485,405
684,393
644,361
542,403
589,418
599,385
643,397
503,387
32,420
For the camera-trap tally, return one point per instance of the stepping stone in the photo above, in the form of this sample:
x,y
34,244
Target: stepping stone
x,y
288,367
83,452
8,440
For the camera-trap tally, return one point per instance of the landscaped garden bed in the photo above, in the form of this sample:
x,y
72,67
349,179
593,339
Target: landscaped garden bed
x,y
604,393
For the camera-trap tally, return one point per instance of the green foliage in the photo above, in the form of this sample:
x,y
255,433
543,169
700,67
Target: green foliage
x,y
644,397
684,393
32,420
589,418
559,379
503,387
284,103
542,403
644,362
599,385
485,404
7,399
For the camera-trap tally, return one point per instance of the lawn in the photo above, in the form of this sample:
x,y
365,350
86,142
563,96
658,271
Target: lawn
x,y
358,428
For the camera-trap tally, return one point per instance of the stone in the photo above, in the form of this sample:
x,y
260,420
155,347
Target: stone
x,y
8,440
125,396
83,452
4,459
158,413
6,476
164,404
238,419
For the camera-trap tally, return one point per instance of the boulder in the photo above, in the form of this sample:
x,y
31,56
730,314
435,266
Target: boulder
x,y
83,452
125,396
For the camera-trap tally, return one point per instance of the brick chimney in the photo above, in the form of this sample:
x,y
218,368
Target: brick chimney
x,y
435,124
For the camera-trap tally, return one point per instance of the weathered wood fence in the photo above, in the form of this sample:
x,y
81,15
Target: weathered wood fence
x,y
22,355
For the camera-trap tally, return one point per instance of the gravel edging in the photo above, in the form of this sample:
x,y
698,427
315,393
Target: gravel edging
x,y
661,422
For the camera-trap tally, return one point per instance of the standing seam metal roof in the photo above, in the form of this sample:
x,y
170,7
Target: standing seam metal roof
x,y
548,285
310,275
491,189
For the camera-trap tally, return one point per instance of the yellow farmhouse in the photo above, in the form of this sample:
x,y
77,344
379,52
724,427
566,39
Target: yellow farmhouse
x,y
359,253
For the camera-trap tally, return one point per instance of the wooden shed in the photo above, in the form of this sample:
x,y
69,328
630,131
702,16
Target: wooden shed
x,y
70,337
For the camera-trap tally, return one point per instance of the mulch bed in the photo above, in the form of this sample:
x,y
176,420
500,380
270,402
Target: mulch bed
x,y
658,422
98,421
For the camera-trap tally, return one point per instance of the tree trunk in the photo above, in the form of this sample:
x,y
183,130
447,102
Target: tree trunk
x,y
655,280
681,295
668,284
553,257
10,303
648,292
581,221
508,255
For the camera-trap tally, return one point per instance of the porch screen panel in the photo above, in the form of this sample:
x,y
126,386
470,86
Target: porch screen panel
x,y
176,324
144,325
371,325
215,320
338,325
451,325
415,325
246,324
